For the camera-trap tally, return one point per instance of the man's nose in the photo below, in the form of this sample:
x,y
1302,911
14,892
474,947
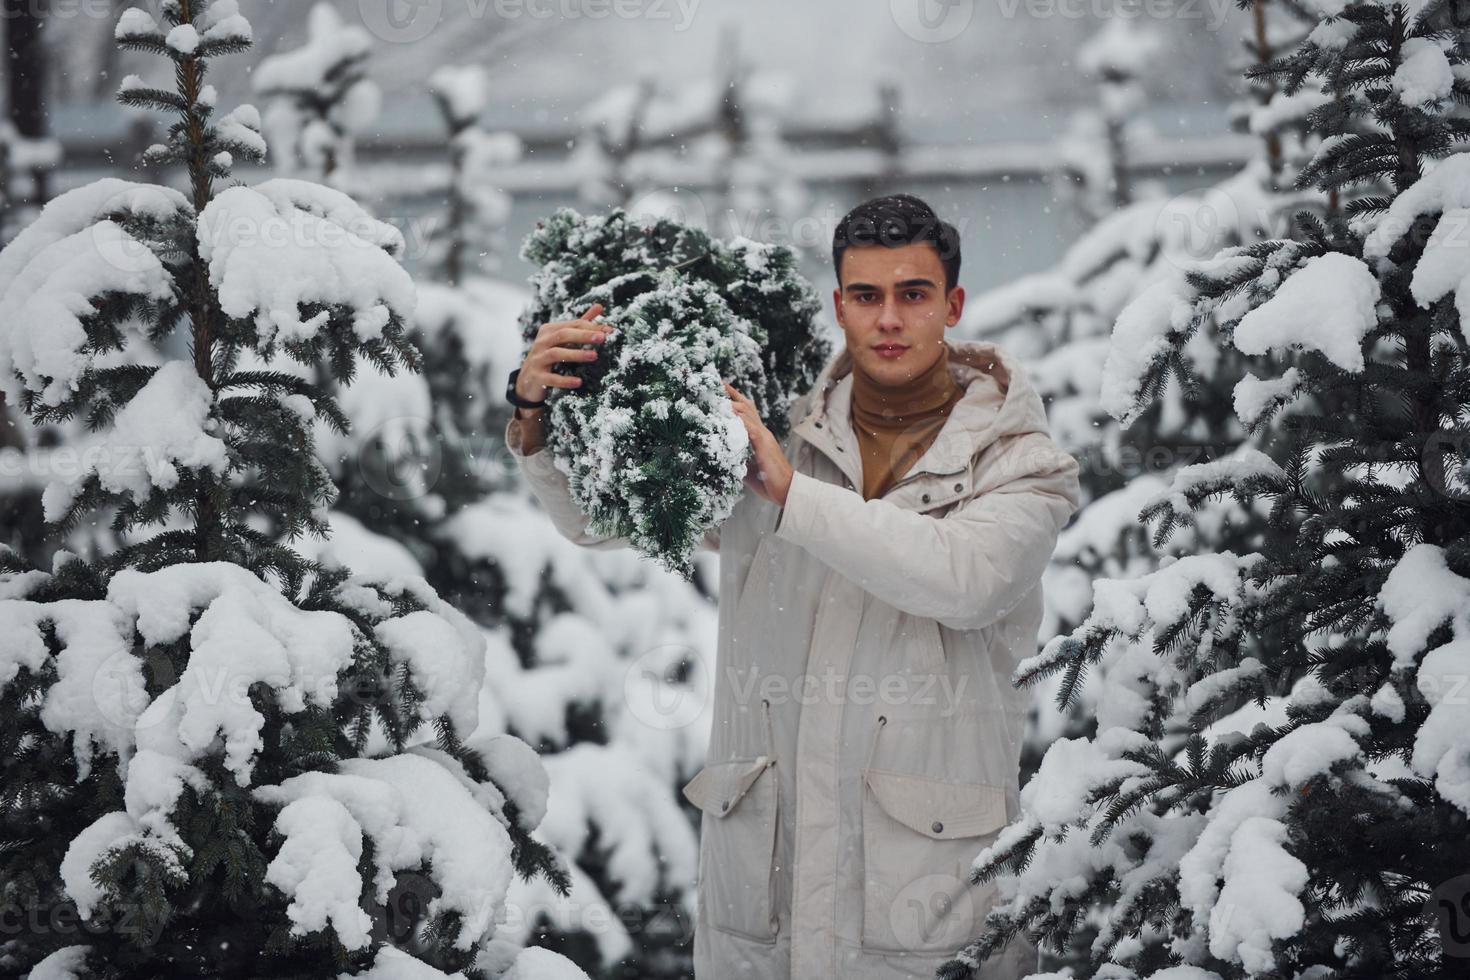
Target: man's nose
x,y
888,318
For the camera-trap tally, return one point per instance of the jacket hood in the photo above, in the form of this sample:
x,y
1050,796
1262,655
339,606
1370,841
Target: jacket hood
x,y
999,401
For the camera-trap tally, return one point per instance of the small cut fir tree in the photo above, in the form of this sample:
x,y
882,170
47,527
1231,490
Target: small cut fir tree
x,y
650,443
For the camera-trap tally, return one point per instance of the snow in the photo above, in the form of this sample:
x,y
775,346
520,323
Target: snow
x,y
1140,338
1243,463
463,88
1444,266
51,271
447,671
183,39
1255,398
1327,305
162,428
96,694
1424,73
307,68
1201,868
1306,752
108,833
316,868
285,243
222,21
349,544
1071,770
519,772
638,822
242,126
394,964
246,633
1442,744
68,963
1258,902
1445,188
482,313
537,963
1420,595
417,812
135,22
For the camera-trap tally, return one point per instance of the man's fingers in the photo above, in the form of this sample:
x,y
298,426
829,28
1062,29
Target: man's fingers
x,y
592,312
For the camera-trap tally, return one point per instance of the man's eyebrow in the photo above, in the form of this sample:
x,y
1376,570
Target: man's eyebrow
x,y
907,283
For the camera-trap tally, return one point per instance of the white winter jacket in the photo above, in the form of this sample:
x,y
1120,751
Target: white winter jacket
x,y
866,734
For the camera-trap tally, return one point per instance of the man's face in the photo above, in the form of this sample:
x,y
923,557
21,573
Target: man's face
x,y
895,296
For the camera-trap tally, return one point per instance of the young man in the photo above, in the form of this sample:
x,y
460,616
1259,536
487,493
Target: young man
x,y
877,588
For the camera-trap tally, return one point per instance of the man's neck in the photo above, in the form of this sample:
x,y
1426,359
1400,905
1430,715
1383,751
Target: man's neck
x,y
930,390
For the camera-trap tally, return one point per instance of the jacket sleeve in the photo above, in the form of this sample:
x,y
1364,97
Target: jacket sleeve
x,y
966,569
550,486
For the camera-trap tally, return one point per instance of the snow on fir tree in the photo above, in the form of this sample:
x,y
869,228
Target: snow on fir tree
x,y
650,443
1280,781
183,721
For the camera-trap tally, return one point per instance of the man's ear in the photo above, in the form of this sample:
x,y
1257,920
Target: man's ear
x,y
837,305
956,300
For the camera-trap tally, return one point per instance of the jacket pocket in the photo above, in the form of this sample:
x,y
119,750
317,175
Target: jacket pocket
x,y
920,837
738,845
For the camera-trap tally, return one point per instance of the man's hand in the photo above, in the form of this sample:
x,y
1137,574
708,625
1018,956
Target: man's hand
x,y
552,346
769,474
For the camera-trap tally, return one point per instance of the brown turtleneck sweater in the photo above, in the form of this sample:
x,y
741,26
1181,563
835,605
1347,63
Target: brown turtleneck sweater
x,y
896,424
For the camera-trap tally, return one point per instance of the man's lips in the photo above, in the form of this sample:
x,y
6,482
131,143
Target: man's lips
x,y
891,347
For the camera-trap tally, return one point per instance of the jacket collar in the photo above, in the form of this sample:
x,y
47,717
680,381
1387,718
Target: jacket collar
x,y
999,401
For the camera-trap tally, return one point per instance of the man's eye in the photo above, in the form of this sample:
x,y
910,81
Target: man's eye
x,y
916,293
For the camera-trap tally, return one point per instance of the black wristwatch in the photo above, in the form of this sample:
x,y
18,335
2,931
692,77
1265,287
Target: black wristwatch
x,y
514,398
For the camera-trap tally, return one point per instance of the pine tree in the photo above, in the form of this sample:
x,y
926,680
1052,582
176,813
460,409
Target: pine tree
x,y
1281,789
1097,152
472,234
652,450
584,645
1062,319
320,98
184,721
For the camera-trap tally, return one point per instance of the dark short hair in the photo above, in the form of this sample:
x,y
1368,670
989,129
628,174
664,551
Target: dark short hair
x,y
894,221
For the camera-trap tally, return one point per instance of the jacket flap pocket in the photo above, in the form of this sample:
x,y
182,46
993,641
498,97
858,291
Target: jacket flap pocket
x,y
719,786
939,808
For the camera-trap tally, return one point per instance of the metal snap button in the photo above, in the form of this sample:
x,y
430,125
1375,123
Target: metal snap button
x,y
925,498
959,486
725,806
817,424
841,450
937,827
